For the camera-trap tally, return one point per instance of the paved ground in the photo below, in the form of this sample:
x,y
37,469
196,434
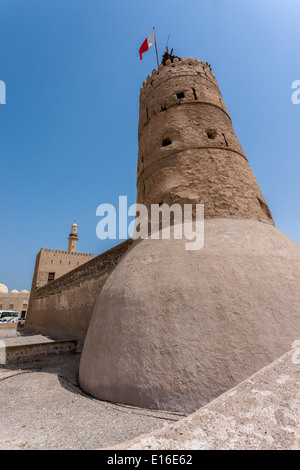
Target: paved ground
x,y
43,407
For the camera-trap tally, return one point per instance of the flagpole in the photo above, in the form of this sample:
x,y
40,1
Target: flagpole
x,y
156,47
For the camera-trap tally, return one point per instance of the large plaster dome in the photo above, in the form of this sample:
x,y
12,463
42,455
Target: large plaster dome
x,y
3,289
14,291
173,329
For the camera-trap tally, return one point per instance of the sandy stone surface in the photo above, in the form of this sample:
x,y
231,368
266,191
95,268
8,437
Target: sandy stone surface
x,y
42,407
261,413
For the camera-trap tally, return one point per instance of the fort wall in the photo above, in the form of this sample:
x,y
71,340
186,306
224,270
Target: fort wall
x,y
63,307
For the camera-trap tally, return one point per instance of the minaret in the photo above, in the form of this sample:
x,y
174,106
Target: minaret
x,y
73,239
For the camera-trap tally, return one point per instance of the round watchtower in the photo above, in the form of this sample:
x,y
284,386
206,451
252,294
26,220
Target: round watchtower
x,y
172,328
188,150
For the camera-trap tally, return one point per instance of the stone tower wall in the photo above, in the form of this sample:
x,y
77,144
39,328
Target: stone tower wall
x,y
188,150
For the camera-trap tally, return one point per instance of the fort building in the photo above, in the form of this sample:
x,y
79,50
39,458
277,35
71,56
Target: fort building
x,y
164,327
51,264
14,300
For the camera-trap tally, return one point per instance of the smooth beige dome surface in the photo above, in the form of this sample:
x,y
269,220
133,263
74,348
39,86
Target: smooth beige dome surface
x,y
173,329
3,289
14,291
24,291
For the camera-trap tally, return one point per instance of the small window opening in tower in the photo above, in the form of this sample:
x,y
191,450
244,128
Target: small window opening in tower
x,y
180,95
51,277
211,133
194,93
167,141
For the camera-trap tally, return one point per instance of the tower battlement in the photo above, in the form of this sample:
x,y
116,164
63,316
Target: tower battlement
x,y
62,252
178,62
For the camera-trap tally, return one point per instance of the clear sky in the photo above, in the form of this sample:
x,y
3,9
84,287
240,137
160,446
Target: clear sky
x,y
68,133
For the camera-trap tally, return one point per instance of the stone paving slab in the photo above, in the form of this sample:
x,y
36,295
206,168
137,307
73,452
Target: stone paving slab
x,y
261,413
23,340
42,407
31,347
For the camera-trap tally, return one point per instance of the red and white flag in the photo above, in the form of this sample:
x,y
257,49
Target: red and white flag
x,y
147,43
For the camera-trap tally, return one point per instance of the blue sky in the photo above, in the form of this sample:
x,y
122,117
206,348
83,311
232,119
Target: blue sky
x,y
68,133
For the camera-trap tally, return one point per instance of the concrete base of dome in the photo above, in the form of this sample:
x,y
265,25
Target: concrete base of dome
x,y
173,329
